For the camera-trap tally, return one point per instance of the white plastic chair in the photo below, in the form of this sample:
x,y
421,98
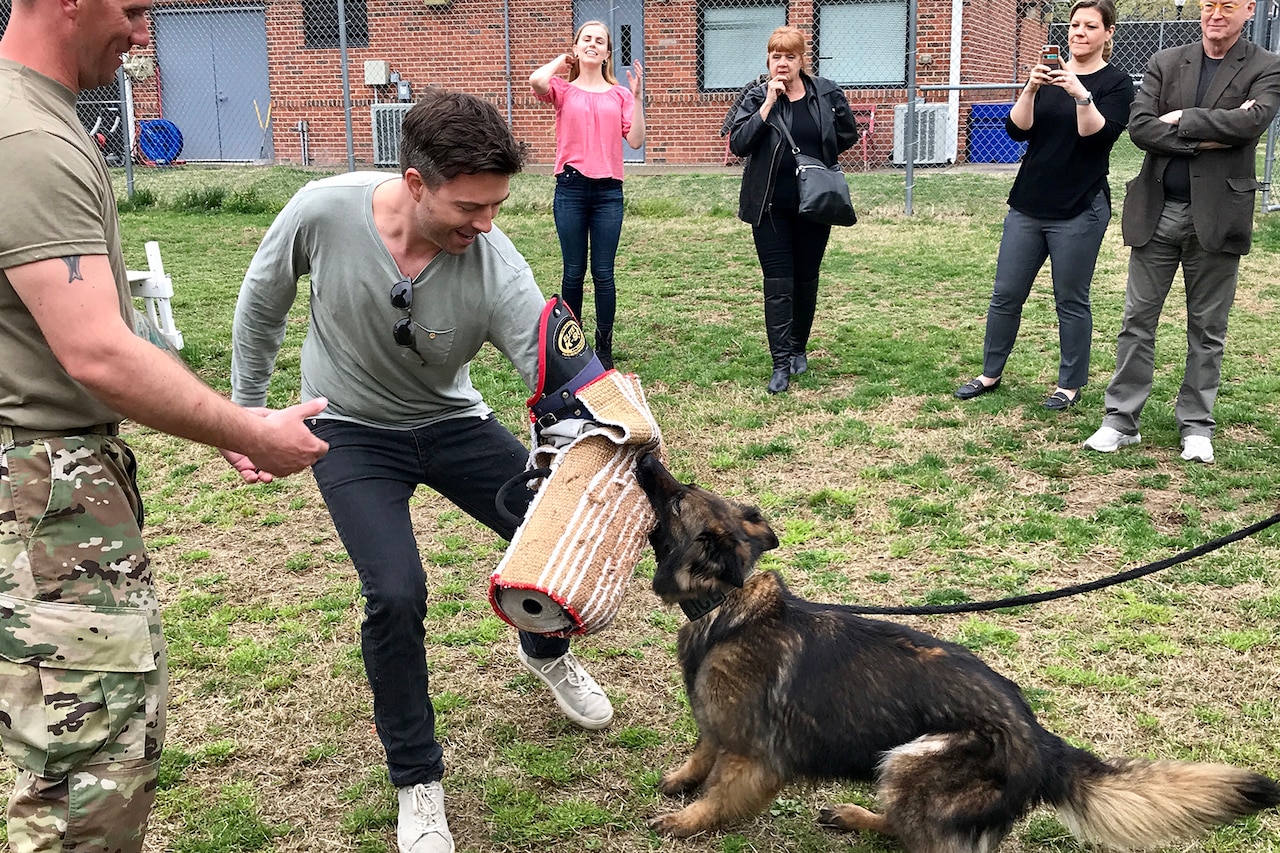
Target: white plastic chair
x,y
155,289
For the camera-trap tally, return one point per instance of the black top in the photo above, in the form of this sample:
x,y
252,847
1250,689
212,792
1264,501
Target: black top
x,y
1062,171
809,140
1177,175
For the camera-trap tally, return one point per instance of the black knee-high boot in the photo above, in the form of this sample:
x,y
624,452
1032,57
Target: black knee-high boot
x,y
805,304
604,347
778,307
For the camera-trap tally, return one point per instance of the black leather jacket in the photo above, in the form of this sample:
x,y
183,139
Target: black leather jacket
x,y
759,143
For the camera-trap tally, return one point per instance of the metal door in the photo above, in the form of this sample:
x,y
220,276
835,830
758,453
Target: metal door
x,y
625,20
212,64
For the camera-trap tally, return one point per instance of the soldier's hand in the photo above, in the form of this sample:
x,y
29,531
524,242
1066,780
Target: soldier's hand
x,y
284,445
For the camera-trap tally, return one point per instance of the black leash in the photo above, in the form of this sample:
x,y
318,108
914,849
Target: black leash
x,y
1101,583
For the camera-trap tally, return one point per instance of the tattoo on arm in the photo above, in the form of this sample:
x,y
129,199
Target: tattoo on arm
x,y
73,268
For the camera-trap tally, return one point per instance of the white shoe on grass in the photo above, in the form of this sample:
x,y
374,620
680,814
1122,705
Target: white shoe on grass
x,y
1197,448
577,693
422,827
1108,440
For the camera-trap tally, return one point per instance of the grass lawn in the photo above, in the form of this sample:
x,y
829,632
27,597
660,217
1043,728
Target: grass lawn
x,y
882,487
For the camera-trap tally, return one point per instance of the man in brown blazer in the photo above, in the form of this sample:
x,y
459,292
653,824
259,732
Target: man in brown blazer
x,y
1198,115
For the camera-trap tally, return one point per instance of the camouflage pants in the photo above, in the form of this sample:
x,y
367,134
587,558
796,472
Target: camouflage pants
x,y
83,681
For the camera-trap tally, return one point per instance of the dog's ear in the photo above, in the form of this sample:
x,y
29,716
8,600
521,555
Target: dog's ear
x,y
729,555
758,529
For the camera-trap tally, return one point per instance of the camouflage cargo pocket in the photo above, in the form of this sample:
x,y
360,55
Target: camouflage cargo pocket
x,y
69,524
75,684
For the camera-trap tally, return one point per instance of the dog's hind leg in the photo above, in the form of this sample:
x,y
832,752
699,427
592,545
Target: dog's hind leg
x,y
692,773
737,788
946,794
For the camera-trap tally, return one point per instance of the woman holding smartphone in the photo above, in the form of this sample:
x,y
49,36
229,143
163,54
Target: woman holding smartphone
x,y
594,113
1070,114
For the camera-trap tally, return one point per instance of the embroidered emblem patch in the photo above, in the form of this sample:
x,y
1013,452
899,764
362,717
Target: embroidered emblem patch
x,y
569,339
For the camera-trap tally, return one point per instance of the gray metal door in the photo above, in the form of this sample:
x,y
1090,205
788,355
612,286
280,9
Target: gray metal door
x,y
213,81
625,20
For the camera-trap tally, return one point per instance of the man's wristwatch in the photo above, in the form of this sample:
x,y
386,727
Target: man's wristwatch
x,y
1086,100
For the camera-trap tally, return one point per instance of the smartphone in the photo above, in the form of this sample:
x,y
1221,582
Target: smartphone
x,y
1049,56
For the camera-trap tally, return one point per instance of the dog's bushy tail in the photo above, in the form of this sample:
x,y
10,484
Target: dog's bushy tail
x,y
1128,802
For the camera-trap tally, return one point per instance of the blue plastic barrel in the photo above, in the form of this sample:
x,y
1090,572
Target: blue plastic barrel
x,y
988,142
159,140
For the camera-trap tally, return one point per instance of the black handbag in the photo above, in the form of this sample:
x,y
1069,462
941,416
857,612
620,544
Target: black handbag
x,y
823,190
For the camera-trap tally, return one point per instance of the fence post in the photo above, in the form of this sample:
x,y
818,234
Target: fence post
x,y
1266,33
910,144
346,84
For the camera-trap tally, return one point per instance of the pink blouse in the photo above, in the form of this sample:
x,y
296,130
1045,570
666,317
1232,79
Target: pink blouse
x,y
590,127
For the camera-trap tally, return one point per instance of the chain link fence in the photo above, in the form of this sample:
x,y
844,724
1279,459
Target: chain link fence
x,y
326,82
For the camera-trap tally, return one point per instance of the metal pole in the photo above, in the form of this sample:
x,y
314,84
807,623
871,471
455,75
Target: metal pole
x,y
126,127
346,83
910,144
1267,36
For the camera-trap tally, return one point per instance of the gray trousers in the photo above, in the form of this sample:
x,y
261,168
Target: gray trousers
x,y
1071,246
1210,282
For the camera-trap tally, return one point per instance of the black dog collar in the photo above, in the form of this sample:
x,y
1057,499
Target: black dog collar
x,y
700,607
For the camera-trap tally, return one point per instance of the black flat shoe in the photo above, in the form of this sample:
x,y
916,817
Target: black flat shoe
x,y
1058,400
975,388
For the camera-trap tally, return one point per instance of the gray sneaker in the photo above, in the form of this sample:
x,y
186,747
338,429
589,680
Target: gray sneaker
x,y
576,692
422,827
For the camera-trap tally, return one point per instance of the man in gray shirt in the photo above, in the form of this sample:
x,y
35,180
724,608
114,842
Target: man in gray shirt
x,y
409,279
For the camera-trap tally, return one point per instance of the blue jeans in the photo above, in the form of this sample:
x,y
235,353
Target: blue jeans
x,y
1071,246
588,211
366,479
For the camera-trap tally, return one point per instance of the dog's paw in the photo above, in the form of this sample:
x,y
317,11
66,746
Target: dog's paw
x,y
675,783
673,824
848,817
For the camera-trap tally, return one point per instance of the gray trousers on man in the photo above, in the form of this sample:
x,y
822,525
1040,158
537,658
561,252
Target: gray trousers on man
x,y
1210,281
1072,246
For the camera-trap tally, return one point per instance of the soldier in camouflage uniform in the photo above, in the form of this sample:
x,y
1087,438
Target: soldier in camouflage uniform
x,y
82,662
82,686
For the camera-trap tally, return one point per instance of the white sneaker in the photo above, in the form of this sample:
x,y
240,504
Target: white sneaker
x,y
1197,448
422,827
1108,440
576,692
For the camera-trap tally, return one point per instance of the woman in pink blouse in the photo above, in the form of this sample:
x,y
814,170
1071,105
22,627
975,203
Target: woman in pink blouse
x,y
594,113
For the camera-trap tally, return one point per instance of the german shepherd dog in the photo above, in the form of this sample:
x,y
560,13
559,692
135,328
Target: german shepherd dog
x,y
785,689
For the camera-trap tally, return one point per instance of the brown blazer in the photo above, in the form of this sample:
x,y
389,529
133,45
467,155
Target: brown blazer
x,y
1223,180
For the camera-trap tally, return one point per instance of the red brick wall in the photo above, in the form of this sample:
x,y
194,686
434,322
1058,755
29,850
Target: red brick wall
x,y
461,46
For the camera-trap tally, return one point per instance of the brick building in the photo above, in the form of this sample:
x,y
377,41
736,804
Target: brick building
x,y
264,81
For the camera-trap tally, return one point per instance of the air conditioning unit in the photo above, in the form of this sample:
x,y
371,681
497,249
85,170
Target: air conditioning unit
x,y
387,119
933,134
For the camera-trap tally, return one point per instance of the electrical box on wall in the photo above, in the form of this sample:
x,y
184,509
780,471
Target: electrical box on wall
x,y
435,2
377,72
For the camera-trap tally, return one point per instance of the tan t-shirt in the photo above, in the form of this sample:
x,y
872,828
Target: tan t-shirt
x,y
58,202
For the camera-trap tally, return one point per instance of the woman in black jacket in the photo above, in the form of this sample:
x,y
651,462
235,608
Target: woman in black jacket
x,y
790,249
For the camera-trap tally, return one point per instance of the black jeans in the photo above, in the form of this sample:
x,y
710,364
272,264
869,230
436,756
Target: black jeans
x,y
366,479
790,247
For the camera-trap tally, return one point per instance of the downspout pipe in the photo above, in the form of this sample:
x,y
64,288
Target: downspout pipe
x,y
506,43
